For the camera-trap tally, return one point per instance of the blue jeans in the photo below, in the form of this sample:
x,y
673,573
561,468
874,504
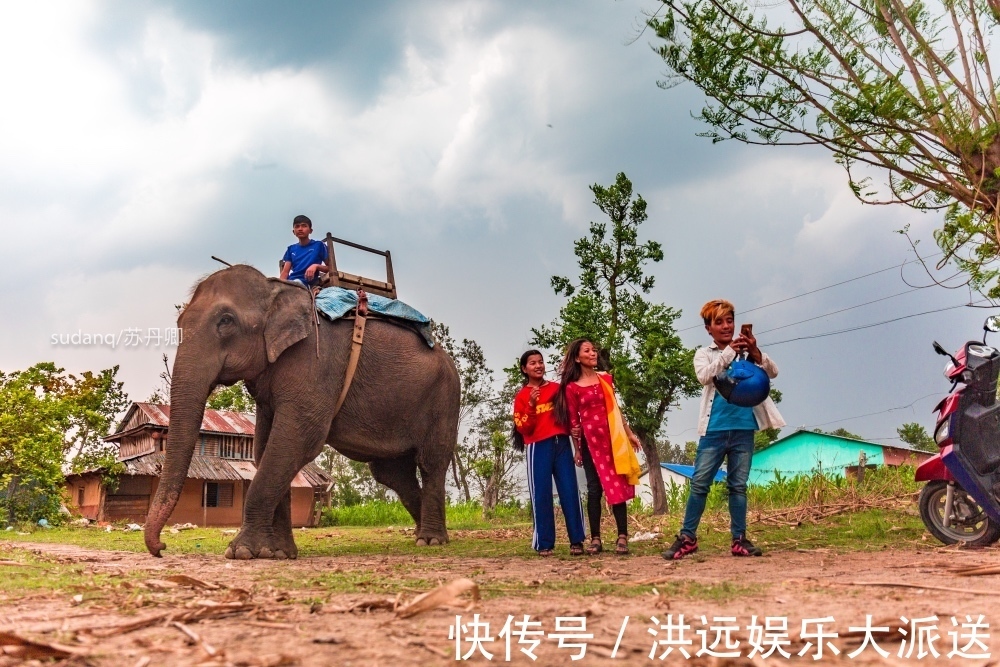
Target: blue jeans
x,y
714,446
548,459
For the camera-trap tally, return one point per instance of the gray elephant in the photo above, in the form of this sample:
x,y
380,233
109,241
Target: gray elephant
x,y
400,414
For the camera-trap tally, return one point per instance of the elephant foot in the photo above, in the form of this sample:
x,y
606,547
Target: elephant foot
x,y
248,547
432,540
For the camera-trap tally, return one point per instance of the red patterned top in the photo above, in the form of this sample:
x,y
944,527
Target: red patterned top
x,y
538,424
588,410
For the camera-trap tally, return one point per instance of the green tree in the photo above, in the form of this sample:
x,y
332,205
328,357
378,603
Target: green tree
x,y
353,482
49,419
235,398
916,436
889,88
764,438
636,338
679,453
492,460
477,389
842,432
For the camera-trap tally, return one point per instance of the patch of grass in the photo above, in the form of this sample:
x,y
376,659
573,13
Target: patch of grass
x,y
461,516
33,574
800,490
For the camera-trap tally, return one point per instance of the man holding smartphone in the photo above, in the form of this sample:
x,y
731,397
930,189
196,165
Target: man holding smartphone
x,y
726,431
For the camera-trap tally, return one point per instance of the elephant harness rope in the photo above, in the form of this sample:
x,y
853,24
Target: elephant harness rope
x,y
360,317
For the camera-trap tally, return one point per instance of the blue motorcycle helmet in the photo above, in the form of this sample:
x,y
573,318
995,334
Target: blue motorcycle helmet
x,y
744,384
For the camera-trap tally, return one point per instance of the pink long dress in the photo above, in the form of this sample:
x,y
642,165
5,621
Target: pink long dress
x,y
588,411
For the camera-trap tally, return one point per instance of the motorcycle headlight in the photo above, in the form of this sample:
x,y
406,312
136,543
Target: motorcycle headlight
x,y
941,432
949,368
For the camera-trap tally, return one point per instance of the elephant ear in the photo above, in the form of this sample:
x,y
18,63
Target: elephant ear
x,y
288,318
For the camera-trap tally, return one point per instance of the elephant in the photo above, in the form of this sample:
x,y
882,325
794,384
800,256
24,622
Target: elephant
x,y
400,414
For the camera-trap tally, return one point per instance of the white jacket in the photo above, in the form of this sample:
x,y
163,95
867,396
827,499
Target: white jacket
x,y
709,362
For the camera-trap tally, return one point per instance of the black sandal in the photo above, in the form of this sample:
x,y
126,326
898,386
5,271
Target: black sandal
x,y
595,547
621,547
545,553
576,549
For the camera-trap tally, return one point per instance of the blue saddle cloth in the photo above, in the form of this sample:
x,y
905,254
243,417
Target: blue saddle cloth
x,y
335,302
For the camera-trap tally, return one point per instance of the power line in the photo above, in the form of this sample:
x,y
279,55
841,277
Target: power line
x,y
880,412
820,289
842,310
873,324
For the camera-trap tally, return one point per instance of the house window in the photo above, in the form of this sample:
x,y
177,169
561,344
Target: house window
x,y
218,495
79,497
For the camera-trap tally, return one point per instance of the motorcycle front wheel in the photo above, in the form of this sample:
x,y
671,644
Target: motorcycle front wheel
x,y
969,522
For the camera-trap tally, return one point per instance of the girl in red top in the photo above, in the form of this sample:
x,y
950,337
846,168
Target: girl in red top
x,y
582,404
549,455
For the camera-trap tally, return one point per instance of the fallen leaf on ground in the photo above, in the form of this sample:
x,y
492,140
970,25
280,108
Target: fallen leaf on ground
x,y
660,600
185,580
389,604
19,647
446,595
161,584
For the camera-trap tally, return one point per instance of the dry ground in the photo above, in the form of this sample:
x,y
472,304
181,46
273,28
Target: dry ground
x,y
298,613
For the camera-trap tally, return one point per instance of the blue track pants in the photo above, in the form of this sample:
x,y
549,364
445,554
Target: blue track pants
x,y
548,459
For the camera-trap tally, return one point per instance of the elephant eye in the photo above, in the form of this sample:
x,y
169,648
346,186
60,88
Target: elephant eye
x,y
226,320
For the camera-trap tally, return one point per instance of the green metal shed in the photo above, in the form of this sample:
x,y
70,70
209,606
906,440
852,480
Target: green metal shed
x,y
806,452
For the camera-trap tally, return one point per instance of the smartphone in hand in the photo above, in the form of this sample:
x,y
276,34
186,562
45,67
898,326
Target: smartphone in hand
x,y
746,330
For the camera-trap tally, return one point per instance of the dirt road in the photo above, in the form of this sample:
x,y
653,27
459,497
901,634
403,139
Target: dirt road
x,y
312,611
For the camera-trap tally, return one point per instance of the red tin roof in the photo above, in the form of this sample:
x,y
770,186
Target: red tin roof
x,y
214,421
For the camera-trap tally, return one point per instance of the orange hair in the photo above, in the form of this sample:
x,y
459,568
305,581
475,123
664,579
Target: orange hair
x,y
715,309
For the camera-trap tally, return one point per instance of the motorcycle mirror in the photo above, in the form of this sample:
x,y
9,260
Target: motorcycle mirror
x,y
940,350
992,323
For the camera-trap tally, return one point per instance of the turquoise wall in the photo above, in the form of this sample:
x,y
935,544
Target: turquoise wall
x,y
805,452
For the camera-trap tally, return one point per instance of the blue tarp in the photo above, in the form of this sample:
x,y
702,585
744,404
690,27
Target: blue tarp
x,y
335,302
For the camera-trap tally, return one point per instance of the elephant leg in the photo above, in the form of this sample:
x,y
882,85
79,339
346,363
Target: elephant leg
x,y
267,525
432,530
400,475
281,526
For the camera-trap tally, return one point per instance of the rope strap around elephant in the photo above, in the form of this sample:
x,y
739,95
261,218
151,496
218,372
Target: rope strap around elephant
x,y
360,317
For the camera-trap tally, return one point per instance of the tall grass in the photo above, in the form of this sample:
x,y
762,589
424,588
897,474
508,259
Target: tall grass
x,y
783,492
392,513
801,490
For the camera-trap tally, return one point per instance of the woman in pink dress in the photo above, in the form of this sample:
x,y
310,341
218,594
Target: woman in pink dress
x,y
582,403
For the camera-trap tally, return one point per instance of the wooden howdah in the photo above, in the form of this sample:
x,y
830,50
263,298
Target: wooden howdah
x,y
337,278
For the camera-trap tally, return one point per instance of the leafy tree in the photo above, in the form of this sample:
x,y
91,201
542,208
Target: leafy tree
x,y
842,432
917,437
477,388
49,419
353,482
234,397
904,90
683,454
492,460
161,394
765,437
636,338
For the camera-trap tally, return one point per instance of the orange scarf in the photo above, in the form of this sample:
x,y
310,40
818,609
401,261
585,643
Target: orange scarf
x,y
626,462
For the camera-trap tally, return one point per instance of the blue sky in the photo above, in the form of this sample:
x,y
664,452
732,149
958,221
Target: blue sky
x,y
138,139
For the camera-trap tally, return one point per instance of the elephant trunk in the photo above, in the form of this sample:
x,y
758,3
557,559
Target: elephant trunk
x,y
191,384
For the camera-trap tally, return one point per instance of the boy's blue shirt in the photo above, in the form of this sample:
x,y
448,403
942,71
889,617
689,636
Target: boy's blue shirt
x,y
728,417
302,257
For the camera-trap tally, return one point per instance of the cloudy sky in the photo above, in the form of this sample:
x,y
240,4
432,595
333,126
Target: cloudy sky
x,y
138,139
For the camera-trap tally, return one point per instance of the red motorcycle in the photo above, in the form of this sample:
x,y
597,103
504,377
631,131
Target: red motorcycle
x,y
960,503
